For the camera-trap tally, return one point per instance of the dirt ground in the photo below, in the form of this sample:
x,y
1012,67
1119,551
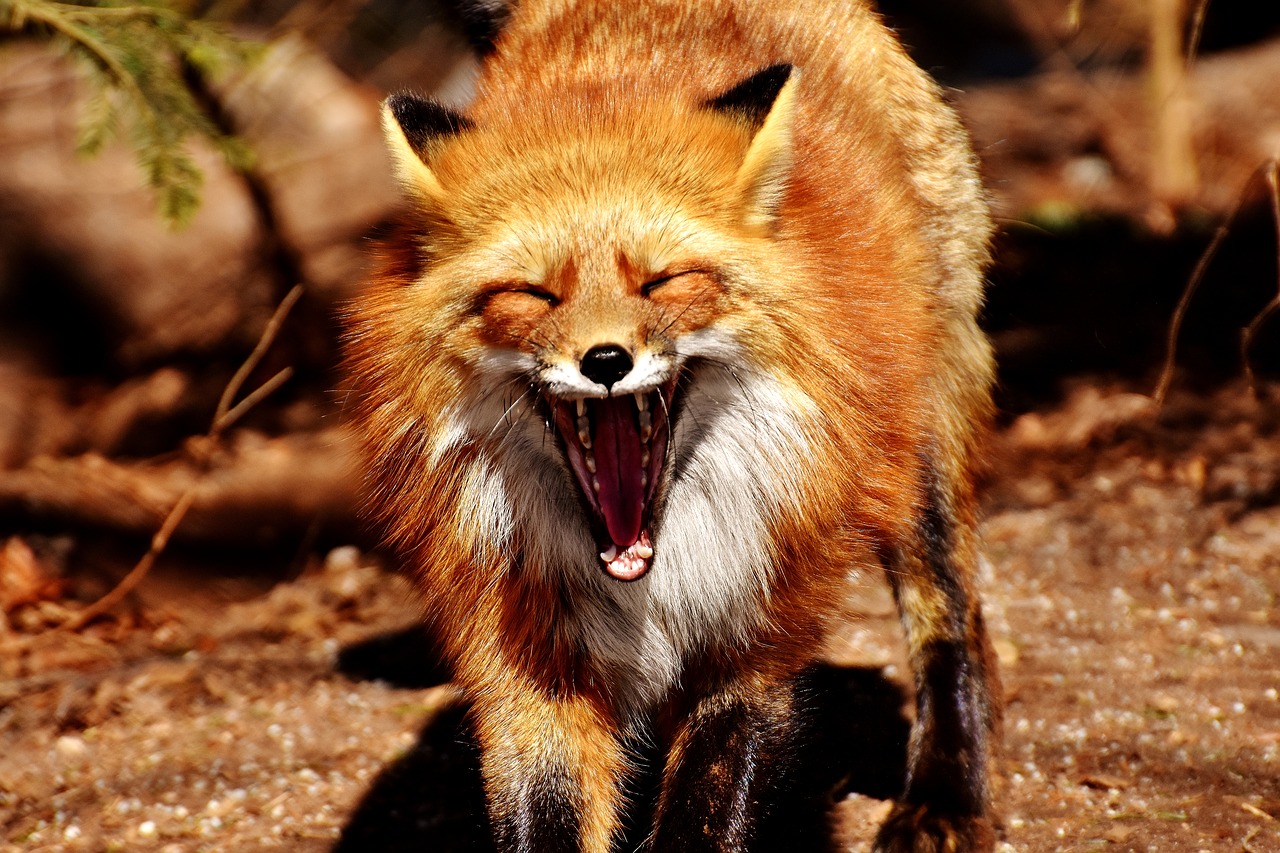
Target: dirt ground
x,y
1134,569
250,699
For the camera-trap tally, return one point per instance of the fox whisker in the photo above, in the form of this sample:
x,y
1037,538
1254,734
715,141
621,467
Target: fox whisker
x,y
503,418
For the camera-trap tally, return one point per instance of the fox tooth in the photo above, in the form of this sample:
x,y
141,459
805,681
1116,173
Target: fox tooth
x,y
642,401
595,484
644,479
644,552
584,432
582,407
610,554
590,460
646,425
644,457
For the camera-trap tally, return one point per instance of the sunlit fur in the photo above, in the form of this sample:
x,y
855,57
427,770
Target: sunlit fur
x,y
817,281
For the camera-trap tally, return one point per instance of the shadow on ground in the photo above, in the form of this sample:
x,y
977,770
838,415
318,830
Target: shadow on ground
x,y
433,799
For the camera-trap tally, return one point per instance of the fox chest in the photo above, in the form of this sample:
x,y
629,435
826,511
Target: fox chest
x,y
734,466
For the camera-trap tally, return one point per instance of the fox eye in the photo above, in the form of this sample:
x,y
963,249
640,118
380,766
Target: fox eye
x,y
536,292
514,299
695,277
650,286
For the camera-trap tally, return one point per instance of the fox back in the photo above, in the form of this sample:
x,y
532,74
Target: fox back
x,y
676,332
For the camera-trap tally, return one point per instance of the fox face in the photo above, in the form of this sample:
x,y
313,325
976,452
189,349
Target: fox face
x,y
593,315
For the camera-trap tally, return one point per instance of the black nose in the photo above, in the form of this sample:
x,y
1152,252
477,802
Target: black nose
x,y
606,364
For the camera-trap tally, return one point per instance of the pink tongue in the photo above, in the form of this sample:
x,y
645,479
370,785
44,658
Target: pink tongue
x,y
617,450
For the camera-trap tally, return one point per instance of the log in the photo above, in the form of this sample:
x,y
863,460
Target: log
x,y
256,491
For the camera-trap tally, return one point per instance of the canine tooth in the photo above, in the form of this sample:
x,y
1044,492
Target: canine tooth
x,y
590,459
582,407
642,401
584,432
642,551
646,425
609,555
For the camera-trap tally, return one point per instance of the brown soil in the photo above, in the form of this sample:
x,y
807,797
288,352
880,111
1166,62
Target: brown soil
x,y
1132,588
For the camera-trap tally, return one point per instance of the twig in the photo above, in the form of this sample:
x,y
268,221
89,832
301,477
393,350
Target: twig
x,y
1197,28
1193,283
223,418
1175,325
264,343
241,408
1251,330
131,580
1256,812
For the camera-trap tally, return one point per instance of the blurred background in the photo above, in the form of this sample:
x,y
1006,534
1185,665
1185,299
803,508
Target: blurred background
x,y
187,194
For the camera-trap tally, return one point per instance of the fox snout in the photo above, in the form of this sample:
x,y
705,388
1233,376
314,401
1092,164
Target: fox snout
x,y
615,444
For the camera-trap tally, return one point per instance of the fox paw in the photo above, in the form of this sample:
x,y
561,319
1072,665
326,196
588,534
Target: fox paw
x,y
918,829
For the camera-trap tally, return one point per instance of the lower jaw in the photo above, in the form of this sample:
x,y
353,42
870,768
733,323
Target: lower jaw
x,y
631,563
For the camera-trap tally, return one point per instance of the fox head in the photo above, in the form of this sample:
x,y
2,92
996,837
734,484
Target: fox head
x,y
585,283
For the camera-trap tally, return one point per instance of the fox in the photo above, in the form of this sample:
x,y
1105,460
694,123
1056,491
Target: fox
x,y
676,333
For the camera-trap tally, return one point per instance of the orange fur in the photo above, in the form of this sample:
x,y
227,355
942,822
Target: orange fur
x,y
835,248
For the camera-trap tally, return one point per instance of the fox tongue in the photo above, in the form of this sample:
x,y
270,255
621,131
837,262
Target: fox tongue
x,y
619,469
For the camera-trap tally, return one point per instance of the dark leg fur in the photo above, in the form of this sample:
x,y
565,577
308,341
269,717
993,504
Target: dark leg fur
x,y
946,804
545,820
729,782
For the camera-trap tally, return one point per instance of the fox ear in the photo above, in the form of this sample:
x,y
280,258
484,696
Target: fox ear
x,y
765,102
415,128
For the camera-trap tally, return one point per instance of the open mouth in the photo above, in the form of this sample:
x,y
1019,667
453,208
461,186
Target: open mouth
x,y
616,447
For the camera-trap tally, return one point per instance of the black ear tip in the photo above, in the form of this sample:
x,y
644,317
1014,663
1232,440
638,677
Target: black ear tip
x,y
401,104
776,75
402,98
752,98
422,119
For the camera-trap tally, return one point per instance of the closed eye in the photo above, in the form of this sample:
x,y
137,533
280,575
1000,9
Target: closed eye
x,y
538,293
653,284
504,293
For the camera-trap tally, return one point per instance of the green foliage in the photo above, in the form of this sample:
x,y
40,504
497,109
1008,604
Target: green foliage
x,y
148,62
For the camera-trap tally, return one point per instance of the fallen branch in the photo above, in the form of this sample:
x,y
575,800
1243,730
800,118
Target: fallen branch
x,y
264,343
1267,171
256,491
131,580
1251,330
204,451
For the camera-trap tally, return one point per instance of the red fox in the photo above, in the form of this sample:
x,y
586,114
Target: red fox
x,y
677,331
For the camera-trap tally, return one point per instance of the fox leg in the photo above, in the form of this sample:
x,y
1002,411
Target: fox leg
x,y
553,771
946,805
726,786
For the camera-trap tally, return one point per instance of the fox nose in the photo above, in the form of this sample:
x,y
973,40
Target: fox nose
x,y
606,364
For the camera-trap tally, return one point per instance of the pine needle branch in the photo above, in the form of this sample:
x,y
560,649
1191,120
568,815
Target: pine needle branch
x,y
138,56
